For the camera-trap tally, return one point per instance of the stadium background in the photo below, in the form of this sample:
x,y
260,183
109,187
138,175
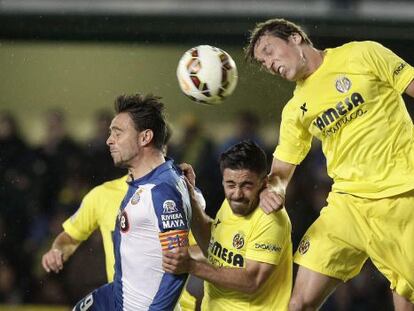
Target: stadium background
x,y
63,61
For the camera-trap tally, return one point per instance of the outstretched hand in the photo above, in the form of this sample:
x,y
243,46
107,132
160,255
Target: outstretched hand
x,y
53,260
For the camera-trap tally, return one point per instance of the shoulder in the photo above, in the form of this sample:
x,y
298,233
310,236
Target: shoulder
x,y
114,185
355,48
110,187
279,218
165,188
166,195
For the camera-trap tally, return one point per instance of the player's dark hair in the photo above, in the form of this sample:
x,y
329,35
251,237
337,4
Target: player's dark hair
x,y
277,27
147,112
245,155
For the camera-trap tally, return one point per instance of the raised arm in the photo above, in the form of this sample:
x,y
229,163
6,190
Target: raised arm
x,y
272,198
62,248
200,221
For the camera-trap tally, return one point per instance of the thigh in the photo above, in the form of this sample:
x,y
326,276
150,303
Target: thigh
x,y
391,246
401,303
334,244
311,289
101,299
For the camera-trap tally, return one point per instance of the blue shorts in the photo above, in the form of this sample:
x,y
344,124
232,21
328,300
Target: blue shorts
x,y
101,299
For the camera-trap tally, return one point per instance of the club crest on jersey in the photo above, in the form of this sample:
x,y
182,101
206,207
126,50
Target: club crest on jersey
x,y
169,207
136,197
238,240
304,245
343,84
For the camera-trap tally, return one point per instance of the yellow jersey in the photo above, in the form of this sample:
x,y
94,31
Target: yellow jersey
x,y
258,237
98,210
353,104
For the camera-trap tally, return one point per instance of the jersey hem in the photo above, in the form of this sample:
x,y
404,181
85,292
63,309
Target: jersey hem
x,y
324,271
390,192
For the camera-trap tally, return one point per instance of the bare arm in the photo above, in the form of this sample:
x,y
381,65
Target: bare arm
x,y
62,248
272,198
200,221
410,89
246,280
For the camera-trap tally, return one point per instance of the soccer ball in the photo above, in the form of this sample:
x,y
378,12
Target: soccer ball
x,y
207,74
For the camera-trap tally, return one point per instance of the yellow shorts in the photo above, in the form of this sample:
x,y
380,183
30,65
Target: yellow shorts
x,y
351,229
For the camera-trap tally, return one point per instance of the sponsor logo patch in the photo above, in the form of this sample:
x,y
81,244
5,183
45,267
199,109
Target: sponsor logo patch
x,y
399,69
219,254
169,207
217,223
268,247
304,109
124,222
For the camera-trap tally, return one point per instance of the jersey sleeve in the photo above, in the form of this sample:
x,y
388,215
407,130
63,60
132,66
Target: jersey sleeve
x,y
81,224
270,236
294,139
172,218
385,65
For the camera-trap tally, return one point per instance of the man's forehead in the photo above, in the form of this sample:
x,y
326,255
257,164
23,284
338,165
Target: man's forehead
x,y
260,44
122,120
239,175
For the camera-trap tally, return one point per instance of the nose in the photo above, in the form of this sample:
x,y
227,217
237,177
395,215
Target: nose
x,y
238,194
110,140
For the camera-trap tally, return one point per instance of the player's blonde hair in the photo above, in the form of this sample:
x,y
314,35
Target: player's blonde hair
x,y
277,27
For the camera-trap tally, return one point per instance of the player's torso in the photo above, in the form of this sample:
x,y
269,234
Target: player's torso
x,y
139,279
230,239
361,120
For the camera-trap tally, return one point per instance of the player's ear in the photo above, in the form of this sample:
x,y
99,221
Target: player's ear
x,y
296,38
145,137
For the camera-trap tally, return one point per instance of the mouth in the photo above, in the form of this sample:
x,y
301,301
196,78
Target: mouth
x,y
238,203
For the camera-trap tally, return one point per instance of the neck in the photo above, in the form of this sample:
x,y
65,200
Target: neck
x,y
145,164
314,59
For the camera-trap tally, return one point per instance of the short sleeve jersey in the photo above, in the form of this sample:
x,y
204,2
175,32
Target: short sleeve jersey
x,y
353,104
98,210
154,216
258,237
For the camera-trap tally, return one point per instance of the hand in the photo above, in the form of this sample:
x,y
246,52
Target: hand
x,y
188,173
177,261
272,199
53,260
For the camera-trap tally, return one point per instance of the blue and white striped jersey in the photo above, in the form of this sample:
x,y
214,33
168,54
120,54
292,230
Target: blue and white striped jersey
x,y
154,215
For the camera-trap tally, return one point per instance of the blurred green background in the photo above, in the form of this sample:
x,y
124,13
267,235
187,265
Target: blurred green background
x,y
81,78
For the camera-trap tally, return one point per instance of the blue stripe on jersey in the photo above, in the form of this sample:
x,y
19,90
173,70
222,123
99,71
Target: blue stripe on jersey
x,y
168,205
168,292
117,245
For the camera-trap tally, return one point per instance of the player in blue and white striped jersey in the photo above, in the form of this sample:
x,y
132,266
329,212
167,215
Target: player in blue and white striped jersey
x,y
154,215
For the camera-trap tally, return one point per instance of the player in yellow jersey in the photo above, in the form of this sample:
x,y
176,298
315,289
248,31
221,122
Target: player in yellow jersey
x,y
349,97
98,210
249,253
